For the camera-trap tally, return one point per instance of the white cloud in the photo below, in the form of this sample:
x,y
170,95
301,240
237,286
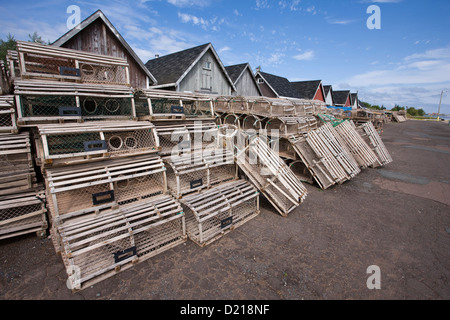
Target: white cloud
x,y
189,3
308,55
417,80
224,49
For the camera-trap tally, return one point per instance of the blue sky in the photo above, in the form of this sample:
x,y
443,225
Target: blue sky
x,y
406,62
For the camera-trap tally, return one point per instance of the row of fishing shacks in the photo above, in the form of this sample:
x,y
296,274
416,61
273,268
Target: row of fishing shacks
x,y
119,174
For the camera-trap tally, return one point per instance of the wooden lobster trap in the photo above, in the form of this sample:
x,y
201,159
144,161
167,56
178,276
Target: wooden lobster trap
x,y
238,105
363,154
283,147
222,104
282,127
318,160
199,170
213,213
23,213
16,163
302,107
271,175
334,143
92,187
233,119
370,135
260,106
176,138
8,114
38,61
302,172
98,247
46,102
281,108
252,122
74,142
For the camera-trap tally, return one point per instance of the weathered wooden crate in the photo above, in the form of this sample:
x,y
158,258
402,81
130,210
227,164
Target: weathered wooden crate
x,y
74,142
370,135
47,62
302,107
285,127
16,164
97,247
92,187
238,105
233,119
8,114
164,105
48,102
199,170
271,175
302,172
330,141
176,138
283,147
360,150
260,106
252,122
23,213
222,104
319,160
213,213
281,108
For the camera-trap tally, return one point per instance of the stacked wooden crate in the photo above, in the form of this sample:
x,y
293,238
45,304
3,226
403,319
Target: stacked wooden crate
x,y
22,205
8,114
105,182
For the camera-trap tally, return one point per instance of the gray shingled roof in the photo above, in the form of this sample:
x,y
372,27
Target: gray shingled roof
x,y
353,98
281,85
326,89
340,97
306,89
235,71
169,69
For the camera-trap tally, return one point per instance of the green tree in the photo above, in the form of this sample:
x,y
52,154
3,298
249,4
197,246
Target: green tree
x,y
9,44
397,108
35,37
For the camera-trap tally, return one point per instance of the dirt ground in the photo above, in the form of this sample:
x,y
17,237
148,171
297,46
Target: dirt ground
x,y
396,217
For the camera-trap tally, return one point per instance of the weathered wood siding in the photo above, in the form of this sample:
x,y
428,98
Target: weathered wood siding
x,y
246,85
97,38
200,79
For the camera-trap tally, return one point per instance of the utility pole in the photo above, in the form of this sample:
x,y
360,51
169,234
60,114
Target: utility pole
x,y
440,102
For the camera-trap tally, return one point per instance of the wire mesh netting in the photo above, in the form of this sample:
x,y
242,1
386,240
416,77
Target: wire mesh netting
x,y
22,213
95,107
48,106
103,73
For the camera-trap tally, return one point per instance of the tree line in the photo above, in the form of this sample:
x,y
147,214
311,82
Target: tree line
x,y
409,110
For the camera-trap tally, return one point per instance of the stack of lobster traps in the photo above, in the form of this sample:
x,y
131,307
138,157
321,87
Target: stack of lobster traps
x,y
120,174
104,183
22,201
